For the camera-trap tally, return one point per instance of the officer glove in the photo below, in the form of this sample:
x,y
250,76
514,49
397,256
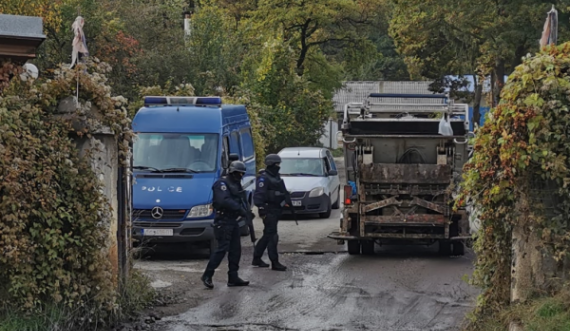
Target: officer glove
x,y
243,212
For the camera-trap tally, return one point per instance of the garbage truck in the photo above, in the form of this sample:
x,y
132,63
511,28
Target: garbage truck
x,y
403,155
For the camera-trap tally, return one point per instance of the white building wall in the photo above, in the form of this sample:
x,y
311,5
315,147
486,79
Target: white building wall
x,y
329,139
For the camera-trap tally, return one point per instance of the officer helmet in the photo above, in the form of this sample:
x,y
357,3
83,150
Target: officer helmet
x,y
237,166
271,159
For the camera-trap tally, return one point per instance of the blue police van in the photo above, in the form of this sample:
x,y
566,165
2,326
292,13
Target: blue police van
x,y
182,146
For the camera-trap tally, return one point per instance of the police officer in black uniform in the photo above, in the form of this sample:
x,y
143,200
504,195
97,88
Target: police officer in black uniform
x,y
269,197
229,208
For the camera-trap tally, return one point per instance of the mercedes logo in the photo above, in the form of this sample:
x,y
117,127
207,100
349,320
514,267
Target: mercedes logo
x,y
156,213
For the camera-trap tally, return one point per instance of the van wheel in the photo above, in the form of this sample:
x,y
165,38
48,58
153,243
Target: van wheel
x,y
353,247
336,205
327,214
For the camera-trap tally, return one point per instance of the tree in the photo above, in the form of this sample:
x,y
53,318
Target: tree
x,y
49,10
310,24
295,110
486,37
425,33
216,48
372,56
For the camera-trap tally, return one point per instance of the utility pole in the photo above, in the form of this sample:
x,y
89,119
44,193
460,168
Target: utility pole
x,y
187,28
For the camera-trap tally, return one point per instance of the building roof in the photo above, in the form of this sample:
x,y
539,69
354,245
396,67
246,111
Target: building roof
x,y
21,26
20,36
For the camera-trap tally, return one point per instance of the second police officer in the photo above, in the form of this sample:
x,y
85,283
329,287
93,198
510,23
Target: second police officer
x,y
270,198
229,208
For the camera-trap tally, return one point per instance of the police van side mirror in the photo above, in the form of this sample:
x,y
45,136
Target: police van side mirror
x,y
233,157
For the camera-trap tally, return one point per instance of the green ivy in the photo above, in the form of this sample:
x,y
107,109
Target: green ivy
x,y
520,169
53,225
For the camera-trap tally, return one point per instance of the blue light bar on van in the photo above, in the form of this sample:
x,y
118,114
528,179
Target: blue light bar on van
x,y
156,101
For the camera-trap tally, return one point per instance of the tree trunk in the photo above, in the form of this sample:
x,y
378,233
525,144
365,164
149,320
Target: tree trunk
x,y
499,80
492,94
304,48
477,102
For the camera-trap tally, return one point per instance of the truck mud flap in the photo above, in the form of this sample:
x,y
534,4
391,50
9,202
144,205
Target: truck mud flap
x,y
341,236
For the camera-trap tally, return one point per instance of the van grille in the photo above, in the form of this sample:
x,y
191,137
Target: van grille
x,y
169,214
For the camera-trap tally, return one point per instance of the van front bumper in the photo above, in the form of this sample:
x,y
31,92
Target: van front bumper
x,y
173,232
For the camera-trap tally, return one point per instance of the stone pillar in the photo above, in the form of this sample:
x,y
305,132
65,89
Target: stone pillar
x,y
533,267
102,148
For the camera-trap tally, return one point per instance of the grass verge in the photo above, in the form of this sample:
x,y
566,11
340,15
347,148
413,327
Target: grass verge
x,y
136,295
337,152
543,314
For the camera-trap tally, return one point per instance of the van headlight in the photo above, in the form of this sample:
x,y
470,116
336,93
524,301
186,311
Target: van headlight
x,y
317,192
200,211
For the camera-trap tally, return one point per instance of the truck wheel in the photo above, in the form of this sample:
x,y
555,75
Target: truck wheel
x,y
444,247
367,247
336,205
458,248
353,247
326,214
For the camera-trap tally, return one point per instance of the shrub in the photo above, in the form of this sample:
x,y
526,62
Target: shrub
x,y
54,221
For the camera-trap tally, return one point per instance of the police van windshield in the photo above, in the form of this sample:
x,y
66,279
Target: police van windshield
x,y
175,152
302,167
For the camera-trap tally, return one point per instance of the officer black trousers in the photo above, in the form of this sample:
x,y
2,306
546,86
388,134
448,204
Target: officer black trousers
x,y
270,237
229,241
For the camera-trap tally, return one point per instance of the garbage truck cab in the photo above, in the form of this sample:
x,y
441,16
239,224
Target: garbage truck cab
x,y
182,146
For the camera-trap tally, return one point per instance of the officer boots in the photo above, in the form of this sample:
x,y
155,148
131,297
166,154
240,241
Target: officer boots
x,y
258,262
278,266
236,281
207,278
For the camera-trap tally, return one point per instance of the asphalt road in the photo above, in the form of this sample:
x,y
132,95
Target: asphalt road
x,y
400,288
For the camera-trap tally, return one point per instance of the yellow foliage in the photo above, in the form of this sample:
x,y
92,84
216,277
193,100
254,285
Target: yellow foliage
x,y
48,10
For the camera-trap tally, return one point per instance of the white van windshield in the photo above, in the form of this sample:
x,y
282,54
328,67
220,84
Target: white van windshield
x,y
184,152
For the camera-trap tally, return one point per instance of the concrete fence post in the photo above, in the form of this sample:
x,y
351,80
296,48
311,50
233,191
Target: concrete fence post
x,y
101,146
